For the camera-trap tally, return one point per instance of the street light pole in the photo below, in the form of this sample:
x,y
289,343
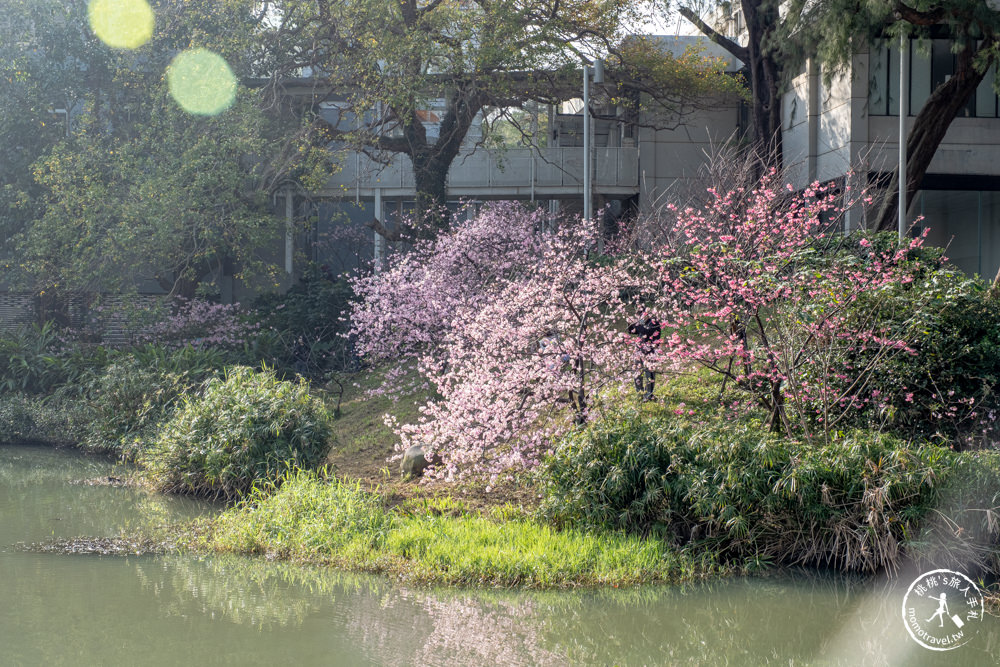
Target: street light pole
x,y
587,199
903,111
588,169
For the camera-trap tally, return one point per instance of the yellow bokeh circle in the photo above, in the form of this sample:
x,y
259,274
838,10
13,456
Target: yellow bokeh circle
x,y
121,24
201,82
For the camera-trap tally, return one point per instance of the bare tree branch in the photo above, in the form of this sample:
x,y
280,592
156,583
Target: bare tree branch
x,y
738,51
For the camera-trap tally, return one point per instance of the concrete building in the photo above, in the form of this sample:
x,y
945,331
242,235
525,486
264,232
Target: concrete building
x,y
830,130
853,124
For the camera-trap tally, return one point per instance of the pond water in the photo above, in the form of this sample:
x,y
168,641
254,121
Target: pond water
x,y
79,609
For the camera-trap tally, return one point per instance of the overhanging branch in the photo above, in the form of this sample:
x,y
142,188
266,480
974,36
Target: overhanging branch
x,y
917,17
738,51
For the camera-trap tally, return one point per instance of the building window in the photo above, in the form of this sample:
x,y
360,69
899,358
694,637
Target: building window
x,y
967,224
930,65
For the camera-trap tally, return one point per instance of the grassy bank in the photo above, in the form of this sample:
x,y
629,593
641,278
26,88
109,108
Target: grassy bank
x,y
309,519
663,491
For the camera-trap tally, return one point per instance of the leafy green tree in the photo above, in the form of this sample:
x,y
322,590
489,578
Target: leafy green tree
x,y
41,83
390,65
173,201
137,187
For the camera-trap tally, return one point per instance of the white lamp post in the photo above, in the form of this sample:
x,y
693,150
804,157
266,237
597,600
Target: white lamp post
x,y
903,110
588,198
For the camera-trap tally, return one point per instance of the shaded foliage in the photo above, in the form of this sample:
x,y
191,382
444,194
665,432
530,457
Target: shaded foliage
x,y
307,326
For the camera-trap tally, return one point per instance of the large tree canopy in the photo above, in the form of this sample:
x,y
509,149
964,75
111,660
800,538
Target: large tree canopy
x,y
128,177
171,202
39,83
388,64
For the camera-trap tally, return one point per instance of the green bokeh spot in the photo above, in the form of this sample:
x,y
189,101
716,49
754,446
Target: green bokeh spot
x,y
121,24
201,82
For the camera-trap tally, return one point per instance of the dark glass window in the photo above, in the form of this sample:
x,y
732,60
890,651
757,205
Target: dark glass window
x,y
927,70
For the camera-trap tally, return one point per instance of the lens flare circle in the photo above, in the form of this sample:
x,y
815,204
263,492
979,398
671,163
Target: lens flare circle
x,y
121,24
201,82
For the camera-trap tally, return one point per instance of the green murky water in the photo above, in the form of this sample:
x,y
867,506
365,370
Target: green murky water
x,y
59,609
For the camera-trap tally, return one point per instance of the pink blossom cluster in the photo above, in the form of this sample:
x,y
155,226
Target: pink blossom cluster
x,y
200,324
758,289
515,324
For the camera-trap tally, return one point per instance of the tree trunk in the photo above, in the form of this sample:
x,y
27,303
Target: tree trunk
x,y
182,287
432,161
765,80
430,176
765,72
929,129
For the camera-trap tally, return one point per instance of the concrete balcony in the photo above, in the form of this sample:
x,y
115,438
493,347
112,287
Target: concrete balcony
x,y
551,173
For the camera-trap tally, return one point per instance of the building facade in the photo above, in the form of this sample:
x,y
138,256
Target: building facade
x,y
851,125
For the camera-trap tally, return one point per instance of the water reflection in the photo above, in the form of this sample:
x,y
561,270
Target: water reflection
x,y
166,610
809,619
47,493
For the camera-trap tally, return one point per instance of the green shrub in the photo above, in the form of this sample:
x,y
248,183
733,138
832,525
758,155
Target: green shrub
x,y
944,386
196,363
127,403
244,428
59,418
851,503
17,423
56,419
615,474
948,389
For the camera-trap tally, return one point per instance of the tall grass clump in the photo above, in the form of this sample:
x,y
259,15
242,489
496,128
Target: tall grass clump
x,y
17,423
246,427
304,517
963,529
54,420
855,503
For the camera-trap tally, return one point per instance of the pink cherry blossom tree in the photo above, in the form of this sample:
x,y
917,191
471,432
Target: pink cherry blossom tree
x,y
518,325
763,289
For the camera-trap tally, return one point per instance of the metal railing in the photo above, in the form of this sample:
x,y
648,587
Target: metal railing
x,y
548,168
